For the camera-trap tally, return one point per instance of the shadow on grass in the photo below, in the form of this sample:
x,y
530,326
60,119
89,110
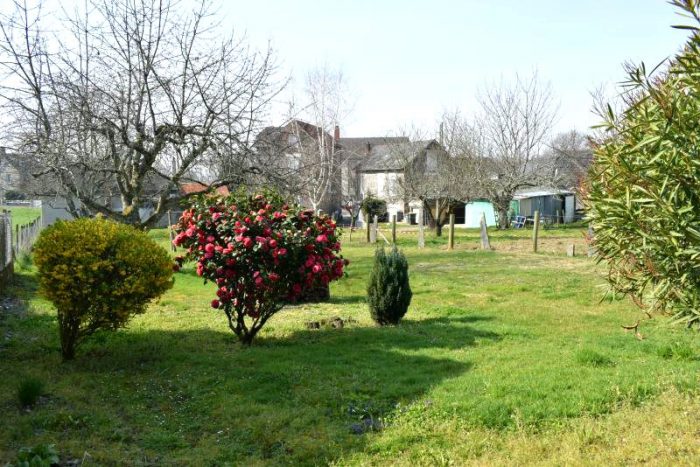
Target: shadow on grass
x,y
299,399
347,299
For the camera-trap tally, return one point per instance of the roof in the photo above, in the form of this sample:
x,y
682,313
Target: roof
x,y
196,187
540,191
386,157
359,145
381,158
277,137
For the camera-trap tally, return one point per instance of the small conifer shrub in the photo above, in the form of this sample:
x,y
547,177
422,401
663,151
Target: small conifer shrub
x,y
388,292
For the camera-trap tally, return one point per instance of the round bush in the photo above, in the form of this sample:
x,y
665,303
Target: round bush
x,y
261,252
644,196
98,274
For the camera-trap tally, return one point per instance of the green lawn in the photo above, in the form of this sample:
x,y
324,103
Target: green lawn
x,y
22,215
504,357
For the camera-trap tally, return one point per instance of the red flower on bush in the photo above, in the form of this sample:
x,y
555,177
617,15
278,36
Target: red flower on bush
x,y
261,253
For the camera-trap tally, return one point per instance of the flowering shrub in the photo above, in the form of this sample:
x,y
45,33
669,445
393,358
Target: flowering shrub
x,y
260,252
98,274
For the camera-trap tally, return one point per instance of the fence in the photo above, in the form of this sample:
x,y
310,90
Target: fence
x,y
6,256
25,236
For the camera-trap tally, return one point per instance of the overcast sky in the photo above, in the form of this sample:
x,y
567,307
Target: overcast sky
x,y
406,61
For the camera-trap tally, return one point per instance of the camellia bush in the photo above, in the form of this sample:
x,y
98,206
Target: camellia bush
x,y
261,252
644,195
98,274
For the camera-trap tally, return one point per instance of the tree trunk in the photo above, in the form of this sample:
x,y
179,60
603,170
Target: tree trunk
x,y
69,328
67,351
503,216
438,229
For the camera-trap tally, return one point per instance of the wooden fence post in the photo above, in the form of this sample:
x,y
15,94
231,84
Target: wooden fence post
x,y
16,253
421,230
451,233
373,231
393,229
368,224
535,231
485,243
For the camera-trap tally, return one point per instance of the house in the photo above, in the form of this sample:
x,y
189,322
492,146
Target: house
x,y
370,167
296,151
14,176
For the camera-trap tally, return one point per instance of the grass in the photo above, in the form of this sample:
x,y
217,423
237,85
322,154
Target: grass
x,y
503,358
22,215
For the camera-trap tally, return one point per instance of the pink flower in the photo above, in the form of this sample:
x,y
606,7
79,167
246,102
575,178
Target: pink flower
x,y
274,277
248,242
215,216
259,281
282,251
211,239
273,243
322,239
209,248
215,303
317,268
296,289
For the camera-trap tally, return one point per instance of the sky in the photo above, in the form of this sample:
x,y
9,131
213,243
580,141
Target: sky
x,y
407,61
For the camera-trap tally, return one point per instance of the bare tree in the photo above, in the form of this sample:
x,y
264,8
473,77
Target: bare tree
x,y
513,128
439,179
572,156
128,99
319,159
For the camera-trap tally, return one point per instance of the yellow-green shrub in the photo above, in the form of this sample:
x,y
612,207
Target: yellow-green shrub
x,y
98,273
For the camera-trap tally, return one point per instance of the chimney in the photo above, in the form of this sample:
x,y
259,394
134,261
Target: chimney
x,y
336,133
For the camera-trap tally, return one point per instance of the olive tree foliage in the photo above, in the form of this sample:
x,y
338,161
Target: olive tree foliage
x,y
643,197
129,98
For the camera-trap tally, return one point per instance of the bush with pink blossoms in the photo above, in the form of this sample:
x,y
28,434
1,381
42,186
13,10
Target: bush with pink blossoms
x,y
261,252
